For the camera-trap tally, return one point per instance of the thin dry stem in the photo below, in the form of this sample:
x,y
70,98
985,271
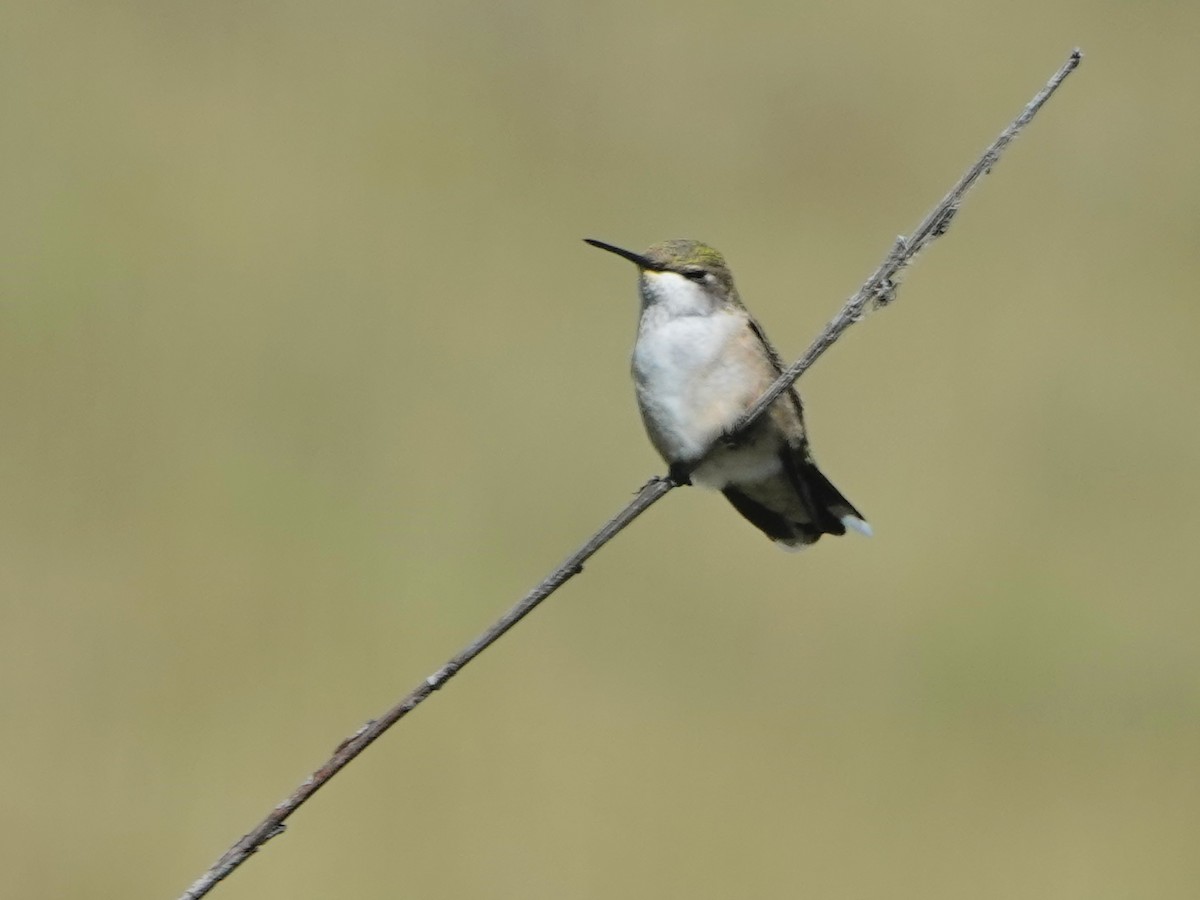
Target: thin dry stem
x,y
880,289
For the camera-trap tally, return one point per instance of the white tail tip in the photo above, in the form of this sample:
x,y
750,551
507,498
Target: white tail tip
x,y
857,524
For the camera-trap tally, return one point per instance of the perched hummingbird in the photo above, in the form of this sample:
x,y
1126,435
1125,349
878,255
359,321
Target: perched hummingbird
x,y
699,362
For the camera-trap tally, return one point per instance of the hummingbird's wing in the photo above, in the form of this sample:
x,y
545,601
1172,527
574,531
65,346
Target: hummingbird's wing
x,y
772,353
777,364
824,508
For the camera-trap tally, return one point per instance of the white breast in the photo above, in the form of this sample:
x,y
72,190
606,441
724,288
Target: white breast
x,y
689,386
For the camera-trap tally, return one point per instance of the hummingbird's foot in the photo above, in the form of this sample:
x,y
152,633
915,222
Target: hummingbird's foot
x,y
680,473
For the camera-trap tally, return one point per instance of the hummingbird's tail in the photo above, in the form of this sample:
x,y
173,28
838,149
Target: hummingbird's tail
x,y
815,508
830,501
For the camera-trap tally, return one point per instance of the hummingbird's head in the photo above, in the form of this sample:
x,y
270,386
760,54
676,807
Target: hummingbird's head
x,y
686,277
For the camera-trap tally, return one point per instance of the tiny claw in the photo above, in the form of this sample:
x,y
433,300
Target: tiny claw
x,y
660,479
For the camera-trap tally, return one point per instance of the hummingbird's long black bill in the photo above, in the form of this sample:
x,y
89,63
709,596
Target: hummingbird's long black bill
x,y
636,258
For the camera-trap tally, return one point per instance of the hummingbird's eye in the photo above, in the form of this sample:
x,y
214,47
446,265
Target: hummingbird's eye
x,y
695,274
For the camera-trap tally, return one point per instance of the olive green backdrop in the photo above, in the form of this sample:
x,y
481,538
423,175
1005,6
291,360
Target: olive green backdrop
x,y
305,376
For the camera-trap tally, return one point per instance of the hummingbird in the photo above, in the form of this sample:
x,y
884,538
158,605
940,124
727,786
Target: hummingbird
x,y
699,362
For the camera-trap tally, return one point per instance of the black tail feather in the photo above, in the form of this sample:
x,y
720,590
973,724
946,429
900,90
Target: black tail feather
x,y
833,506
770,523
826,510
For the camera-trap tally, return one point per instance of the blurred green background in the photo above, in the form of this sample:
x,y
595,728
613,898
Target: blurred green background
x,y
306,376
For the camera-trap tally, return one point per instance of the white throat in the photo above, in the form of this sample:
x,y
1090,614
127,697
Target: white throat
x,y
671,295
